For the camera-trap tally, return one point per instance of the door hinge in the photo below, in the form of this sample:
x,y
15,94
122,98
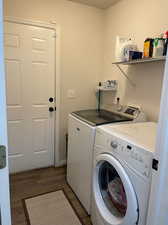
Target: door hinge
x,y
155,164
2,156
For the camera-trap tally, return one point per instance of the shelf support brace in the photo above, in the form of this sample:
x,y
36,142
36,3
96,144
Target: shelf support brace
x,y
126,76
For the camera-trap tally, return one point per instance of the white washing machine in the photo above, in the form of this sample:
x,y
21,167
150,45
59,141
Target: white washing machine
x,y
81,137
122,173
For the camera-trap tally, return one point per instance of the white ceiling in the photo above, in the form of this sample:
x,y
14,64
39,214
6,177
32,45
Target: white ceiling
x,y
102,4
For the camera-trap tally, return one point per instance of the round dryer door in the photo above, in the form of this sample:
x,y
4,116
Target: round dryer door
x,y
113,192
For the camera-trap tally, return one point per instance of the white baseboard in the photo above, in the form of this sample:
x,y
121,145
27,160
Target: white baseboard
x,y
61,163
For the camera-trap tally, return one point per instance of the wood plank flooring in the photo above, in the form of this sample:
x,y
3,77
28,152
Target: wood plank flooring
x,y
31,183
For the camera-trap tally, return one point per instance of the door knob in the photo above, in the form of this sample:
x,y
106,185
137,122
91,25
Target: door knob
x,y
51,109
51,99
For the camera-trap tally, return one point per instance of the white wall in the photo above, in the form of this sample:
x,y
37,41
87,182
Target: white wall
x,y
81,49
136,19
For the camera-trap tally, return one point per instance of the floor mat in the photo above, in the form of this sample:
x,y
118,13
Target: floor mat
x,y
50,209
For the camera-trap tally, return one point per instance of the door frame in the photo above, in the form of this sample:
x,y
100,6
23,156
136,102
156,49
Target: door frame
x,y
158,203
5,214
53,26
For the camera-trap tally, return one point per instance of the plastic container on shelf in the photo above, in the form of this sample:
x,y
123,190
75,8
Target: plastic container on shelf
x,y
126,48
165,43
123,47
120,41
134,55
158,47
148,48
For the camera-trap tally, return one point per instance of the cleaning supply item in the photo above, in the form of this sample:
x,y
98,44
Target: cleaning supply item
x,y
133,55
123,46
120,41
129,46
148,48
126,48
119,106
165,43
158,47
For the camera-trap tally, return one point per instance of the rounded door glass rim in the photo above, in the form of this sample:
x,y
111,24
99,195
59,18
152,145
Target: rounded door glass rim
x,y
112,189
131,212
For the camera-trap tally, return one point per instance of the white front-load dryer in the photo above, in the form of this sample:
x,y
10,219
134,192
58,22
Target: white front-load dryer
x,y
122,173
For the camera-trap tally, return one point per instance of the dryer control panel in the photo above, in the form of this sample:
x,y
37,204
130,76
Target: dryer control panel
x,y
135,157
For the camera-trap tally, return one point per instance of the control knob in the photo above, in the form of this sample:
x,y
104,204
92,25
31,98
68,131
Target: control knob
x,y
114,144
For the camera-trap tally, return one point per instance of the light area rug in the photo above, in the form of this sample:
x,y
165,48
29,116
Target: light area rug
x,y
51,209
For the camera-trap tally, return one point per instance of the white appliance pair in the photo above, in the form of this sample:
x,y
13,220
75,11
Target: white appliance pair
x,y
81,132
122,168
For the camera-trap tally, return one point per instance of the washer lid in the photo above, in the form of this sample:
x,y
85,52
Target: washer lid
x,y
113,192
95,117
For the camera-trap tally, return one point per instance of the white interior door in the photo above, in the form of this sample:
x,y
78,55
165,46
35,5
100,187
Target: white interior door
x,y
30,78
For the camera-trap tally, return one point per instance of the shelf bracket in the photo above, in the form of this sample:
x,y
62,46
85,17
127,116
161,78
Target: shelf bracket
x,y
126,76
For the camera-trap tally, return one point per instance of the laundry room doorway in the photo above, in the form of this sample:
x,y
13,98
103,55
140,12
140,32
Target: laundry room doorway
x,y
30,88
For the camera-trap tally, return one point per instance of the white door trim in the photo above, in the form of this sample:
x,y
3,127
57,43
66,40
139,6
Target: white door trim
x,y
5,215
30,22
158,204
52,25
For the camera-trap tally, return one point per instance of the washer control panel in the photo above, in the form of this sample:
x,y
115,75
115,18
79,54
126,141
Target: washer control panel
x,y
134,156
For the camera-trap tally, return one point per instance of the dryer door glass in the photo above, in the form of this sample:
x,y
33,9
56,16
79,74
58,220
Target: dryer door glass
x,y
112,190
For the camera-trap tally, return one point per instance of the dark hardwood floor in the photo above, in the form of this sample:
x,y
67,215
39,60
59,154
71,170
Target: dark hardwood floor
x,y
32,183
